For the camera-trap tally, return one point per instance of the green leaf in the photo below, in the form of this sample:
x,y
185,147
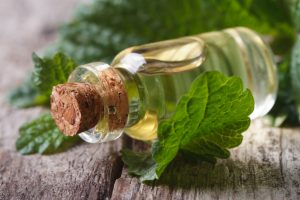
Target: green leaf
x,y
47,73
51,71
284,34
285,111
295,73
208,121
26,95
140,164
90,36
294,6
42,136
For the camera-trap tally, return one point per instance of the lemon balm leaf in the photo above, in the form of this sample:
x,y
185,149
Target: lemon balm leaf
x,y
208,120
42,136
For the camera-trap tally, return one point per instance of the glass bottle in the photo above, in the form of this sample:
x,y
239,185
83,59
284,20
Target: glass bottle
x,y
154,76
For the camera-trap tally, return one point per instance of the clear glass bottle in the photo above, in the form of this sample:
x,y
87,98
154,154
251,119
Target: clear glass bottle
x,y
156,75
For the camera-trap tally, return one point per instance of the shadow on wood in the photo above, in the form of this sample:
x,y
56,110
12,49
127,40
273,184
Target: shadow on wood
x,y
223,175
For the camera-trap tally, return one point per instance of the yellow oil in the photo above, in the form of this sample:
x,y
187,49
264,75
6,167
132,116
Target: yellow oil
x,y
146,128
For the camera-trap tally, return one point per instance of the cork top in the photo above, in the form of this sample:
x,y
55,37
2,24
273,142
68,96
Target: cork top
x,y
76,107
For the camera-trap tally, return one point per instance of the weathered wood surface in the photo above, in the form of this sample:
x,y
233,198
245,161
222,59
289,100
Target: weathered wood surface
x,y
84,172
265,166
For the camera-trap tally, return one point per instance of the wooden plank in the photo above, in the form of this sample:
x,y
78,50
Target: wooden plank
x,y
84,172
265,166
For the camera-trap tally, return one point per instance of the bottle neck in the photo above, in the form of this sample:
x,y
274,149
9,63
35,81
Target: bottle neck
x,y
121,94
135,94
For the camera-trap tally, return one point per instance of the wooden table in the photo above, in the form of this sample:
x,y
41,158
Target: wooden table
x,y
265,166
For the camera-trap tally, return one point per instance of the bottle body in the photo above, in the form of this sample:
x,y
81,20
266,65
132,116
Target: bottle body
x,y
156,75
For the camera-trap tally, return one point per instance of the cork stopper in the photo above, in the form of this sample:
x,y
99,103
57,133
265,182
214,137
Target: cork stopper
x,y
115,95
76,107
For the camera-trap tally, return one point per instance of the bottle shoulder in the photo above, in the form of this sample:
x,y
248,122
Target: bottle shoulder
x,y
171,56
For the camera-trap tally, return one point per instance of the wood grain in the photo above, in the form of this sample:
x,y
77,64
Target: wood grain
x,y
265,166
84,172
